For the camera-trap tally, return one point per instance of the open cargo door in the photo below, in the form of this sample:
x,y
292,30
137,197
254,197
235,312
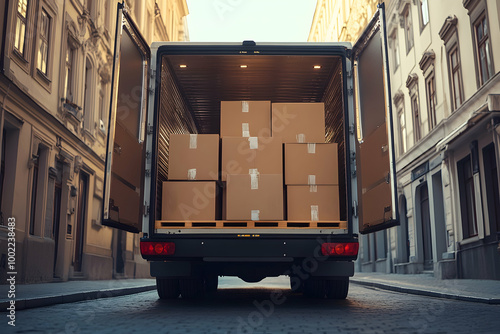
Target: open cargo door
x,y
375,150
125,148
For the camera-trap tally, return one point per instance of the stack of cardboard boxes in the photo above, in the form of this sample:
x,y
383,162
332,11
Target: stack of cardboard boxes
x,y
193,169
311,166
252,162
252,166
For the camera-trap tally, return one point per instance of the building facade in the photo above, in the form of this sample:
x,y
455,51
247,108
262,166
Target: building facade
x,y
56,63
444,59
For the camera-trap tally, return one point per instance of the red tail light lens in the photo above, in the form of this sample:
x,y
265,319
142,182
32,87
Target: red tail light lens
x,y
344,248
157,248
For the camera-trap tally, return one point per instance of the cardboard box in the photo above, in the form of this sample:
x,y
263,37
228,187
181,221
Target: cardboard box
x,y
245,155
307,164
254,197
189,200
313,203
299,122
193,157
245,119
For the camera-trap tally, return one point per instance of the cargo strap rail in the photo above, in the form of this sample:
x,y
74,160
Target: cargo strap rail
x,y
235,224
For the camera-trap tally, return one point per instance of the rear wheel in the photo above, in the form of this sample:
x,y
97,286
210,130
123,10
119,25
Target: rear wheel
x,y
168,288
314,287
192,288
211,283
337,288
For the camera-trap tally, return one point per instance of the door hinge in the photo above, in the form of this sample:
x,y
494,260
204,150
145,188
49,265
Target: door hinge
x,y
147,172
146,209
150,129
148,155
348,53
353,164
349,73
351,129
152,74
350,91
355,209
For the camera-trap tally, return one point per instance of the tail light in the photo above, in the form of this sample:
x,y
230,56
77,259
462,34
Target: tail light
x,y
343,248
157,248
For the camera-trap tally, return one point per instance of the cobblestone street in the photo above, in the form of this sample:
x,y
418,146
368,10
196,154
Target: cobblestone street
x,y
268,308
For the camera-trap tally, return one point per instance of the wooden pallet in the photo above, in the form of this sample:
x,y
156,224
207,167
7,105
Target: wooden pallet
x,y
232,224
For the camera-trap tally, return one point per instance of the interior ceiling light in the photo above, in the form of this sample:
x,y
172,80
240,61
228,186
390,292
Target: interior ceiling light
x,y
317,67
243,66
183,66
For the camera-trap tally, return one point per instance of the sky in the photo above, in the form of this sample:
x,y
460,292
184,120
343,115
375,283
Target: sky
x,y
258,20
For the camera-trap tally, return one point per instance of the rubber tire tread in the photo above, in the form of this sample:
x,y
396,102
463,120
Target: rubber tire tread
x,y
168,288
337,288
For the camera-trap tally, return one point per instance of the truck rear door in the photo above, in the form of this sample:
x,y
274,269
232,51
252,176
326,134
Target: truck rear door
x,y
125,150
375,157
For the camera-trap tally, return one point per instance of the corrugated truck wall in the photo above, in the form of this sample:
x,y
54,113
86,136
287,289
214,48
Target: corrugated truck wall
x,y
174,117
334,123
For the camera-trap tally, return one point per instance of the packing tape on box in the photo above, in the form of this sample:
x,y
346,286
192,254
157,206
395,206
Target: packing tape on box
x,y
313,188
193,141
245,130
314,213
255,214
311,148
254,181
192,174
244,106
311,180
301,138
253,171
253,142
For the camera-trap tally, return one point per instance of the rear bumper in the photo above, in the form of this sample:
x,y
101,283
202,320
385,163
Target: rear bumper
x,y
237,256
248,246
302,269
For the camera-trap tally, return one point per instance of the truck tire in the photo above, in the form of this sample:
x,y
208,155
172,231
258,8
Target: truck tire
x,y
168,288
192,288
296,284
314,287
211,283
337,288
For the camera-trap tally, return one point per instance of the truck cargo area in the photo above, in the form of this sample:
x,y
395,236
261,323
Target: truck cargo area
x,y
192,81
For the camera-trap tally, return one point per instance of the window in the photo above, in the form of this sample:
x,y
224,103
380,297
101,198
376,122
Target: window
x,y
90,8
402,130
21,21
43,51
427,66
467,197
408,27
88,108
448,34
103,112
455,77
480,28
34,191
399,106
483,49
416,117
395,50
492,189
68,81
430,87
107,15
412,84
423,13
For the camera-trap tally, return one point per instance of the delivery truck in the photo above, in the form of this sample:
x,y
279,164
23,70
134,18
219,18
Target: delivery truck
x,y
172,88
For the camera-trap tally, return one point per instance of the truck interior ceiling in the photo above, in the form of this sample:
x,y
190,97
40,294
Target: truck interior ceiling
x,y
192,86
